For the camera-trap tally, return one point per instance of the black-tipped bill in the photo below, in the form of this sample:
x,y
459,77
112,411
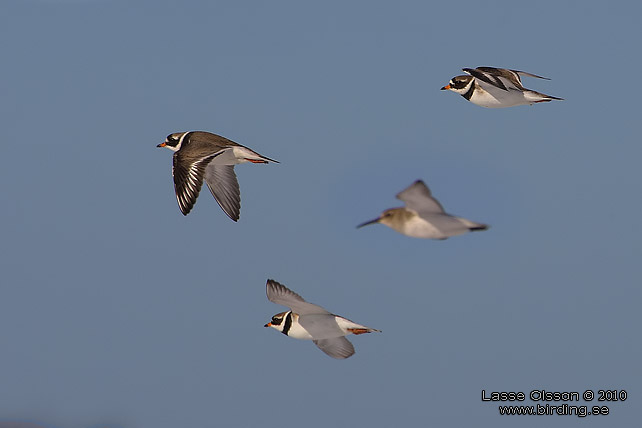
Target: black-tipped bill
x,y
163,144
376,220
445,87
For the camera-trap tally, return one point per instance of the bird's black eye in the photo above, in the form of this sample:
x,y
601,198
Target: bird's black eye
x,y
276,321
170,138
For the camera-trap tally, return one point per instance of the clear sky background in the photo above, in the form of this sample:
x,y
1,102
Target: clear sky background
x,y
118,311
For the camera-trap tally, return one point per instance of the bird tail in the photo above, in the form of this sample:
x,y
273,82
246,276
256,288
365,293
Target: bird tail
x,y
472,226
357,331
478,227
538,97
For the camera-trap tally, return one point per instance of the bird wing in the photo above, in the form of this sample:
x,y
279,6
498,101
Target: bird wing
x,y
501,77
336,347
417,197
491,78
222,182
188,179
321,326
523,73
281,295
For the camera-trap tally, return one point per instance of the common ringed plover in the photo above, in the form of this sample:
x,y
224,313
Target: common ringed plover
x,y
423,216
496,87
307,321
202,155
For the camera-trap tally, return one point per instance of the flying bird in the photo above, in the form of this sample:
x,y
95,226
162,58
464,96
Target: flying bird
x,y
199,156
496,87
307,321
423,216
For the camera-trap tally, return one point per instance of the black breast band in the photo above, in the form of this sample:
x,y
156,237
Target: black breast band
x,y
288,323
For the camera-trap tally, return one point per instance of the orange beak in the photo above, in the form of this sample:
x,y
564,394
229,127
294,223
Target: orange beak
x,y
445,87
163,144
268,325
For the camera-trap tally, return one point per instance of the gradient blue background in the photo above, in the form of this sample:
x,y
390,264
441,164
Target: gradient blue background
x,y
117,311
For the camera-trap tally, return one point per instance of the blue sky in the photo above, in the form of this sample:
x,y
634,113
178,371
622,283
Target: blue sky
x,y
117,311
